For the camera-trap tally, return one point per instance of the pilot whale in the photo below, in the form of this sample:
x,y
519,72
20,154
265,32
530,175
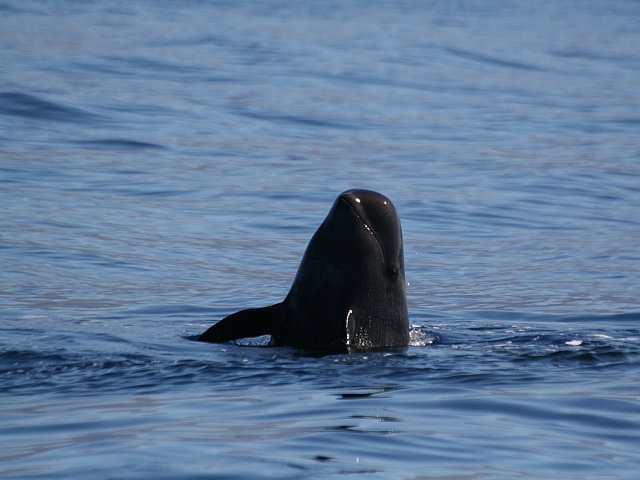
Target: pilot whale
x,y
349,292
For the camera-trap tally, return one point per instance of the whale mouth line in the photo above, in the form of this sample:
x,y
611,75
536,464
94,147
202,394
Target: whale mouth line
x,y
366,225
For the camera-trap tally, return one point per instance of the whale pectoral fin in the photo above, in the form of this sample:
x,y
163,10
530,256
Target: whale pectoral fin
x,y
252,322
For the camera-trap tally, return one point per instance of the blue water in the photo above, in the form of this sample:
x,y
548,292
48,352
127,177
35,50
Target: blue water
x,y
163,164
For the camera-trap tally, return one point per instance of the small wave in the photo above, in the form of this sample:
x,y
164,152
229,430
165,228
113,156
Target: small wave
x,y
299,120
573,53
579,352
30,106
119,144
10,9
493,60
522,318
28,371
602,319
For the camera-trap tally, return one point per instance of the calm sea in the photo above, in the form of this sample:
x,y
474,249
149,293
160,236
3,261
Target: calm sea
x,y
164,164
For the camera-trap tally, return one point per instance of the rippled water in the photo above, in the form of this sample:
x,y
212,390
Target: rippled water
x,y
163,165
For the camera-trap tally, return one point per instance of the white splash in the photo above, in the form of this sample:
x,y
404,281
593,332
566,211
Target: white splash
x,y
419,337
347,324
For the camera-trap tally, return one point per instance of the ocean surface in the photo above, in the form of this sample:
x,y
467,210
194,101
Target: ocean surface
x,y
164,164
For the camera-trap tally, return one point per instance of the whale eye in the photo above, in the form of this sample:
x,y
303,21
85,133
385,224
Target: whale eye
x,y
393,271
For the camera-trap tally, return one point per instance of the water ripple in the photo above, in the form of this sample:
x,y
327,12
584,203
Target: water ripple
x,y
33,107
163,167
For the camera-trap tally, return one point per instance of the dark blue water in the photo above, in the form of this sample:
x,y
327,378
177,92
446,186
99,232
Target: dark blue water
x,y
163,164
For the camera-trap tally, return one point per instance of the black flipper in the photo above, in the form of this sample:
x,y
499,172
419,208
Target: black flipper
x,y
252,322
